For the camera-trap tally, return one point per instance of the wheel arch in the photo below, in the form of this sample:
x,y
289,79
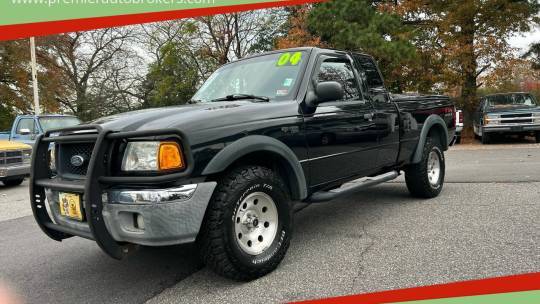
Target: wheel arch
x,y
434,126
262,150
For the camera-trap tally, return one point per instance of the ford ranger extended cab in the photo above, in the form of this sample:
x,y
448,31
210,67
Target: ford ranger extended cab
x,y
223,171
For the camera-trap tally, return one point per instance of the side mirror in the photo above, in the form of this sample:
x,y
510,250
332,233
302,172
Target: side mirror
x,y
24,131
329,91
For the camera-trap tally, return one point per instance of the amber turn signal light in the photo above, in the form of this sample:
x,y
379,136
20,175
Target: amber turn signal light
x,y
170,156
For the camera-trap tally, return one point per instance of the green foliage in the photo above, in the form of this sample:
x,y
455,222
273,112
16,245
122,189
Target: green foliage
x,y
357,25
6,117
534,55
174,80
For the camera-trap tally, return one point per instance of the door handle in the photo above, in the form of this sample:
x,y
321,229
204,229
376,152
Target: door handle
x,y
369,116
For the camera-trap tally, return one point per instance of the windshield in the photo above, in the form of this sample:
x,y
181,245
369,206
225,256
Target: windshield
x,y
509,100
274,76
50,123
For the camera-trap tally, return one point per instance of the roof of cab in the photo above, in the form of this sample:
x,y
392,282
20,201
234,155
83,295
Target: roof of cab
x,y
46,115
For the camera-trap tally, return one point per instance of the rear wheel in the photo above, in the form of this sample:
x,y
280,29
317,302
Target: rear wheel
x,y
13,182
426,178
248,224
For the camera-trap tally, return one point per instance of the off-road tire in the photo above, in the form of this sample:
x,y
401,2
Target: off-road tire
x,y
416,175
219,248
13,182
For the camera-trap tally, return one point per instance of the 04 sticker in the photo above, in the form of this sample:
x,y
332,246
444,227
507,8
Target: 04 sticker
x,y
288,59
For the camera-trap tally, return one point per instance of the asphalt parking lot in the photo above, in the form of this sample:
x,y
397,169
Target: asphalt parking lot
x,y
485,223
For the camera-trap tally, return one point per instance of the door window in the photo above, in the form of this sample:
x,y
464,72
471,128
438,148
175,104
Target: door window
x,y
26,123
368,71
339,70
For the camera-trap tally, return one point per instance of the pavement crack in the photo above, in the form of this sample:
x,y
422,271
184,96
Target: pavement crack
x,y
371,243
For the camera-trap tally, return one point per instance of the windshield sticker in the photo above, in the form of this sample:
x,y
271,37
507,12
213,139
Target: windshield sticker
x,y
288,82
288,59
282,92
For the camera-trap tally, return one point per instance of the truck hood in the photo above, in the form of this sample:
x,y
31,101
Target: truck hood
x,y
196,117
13,145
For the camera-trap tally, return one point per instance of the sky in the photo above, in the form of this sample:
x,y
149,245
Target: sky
x,y
523,41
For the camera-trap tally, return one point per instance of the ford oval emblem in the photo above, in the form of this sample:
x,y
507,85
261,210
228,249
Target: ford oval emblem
x,y
77,160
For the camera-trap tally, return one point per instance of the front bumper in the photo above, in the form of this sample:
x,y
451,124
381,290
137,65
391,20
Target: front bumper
x,y
510,128
14,171
174,218
156,217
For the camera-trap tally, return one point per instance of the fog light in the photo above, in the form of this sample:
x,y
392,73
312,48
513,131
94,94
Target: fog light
x,y
139,222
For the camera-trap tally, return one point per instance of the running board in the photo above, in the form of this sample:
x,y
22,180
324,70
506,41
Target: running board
x,y
351,187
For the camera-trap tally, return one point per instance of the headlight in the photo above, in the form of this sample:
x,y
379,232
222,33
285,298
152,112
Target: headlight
x,y
491,119
27,156
152,156
536,117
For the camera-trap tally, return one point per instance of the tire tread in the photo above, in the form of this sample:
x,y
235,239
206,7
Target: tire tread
x,y
212,246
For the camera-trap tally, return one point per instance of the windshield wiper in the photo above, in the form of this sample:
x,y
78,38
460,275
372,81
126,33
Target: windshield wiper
x,y
242,96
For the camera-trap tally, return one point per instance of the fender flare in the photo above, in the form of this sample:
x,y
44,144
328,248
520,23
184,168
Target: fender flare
x,y
430,122
260,143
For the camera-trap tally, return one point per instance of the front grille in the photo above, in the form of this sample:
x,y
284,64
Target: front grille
x,y
11,157
516,115
66,151
519,118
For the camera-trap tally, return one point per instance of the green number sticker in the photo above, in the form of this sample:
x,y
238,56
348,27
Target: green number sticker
x,y
289,59
295,59
284,59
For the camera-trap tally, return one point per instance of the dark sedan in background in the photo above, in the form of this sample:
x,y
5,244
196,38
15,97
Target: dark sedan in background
x,y
507,114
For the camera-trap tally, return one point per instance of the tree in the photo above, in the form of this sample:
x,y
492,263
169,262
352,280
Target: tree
x,y
6,117
470,35
232,36
298,33
100,68
16,93
174,80
534,55
358,25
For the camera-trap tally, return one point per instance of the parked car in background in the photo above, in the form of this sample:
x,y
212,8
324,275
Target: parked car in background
x,y
25,128
507,113
459,126
225,169
14,162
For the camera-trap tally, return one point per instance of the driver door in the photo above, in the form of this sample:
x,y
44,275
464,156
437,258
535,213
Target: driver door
x,y
340,134
25,131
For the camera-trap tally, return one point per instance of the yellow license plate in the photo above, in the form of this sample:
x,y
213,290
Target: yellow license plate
x,y
70,205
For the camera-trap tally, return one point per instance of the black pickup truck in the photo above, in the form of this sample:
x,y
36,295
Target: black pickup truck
x,y
227,170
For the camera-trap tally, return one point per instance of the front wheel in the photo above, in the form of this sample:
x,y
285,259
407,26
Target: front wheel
x,y
13,182
248,224
426,178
